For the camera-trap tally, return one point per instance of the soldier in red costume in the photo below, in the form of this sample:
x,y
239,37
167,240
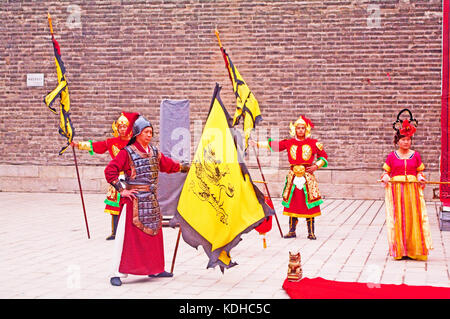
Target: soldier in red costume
x,y
122,131
139,248
301,196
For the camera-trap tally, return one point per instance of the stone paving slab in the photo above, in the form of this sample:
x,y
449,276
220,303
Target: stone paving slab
x,y
46,253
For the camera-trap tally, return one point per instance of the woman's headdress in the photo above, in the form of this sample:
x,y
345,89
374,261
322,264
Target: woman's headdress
x,y
405,127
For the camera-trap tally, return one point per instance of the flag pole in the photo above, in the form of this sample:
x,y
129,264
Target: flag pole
x,y
267,189
49,18
257,159
417,182
81,192
176,249
223,54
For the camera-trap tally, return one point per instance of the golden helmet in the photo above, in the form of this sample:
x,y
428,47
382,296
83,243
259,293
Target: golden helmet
x,y
124,119
301,120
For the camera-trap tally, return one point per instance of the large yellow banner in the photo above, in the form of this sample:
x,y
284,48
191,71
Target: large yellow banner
x,y
218,199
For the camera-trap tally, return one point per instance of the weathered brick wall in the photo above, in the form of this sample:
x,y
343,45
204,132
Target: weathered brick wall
x,y
329,60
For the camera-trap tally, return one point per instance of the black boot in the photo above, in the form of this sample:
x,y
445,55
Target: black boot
x,y
310,225
292,226
162,274
114,220
115,281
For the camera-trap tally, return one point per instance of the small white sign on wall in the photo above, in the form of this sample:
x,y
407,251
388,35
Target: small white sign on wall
x,y
35,79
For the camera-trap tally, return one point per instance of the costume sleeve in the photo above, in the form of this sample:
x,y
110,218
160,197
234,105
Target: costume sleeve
x,y
93,147
168,165
100,147
86,146
420,168
322,157
387,165
115,166
278,146
420,165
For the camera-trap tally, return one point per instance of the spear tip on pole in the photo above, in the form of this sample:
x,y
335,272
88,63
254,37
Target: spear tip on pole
x,y
49,17
217,35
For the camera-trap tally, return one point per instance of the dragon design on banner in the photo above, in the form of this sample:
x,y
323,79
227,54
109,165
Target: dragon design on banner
x,y
210,185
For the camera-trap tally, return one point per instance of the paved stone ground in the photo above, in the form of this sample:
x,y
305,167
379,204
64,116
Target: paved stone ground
x,y
46,253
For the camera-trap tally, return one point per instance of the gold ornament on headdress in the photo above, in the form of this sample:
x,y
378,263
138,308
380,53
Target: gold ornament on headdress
x,y
298,122
122,120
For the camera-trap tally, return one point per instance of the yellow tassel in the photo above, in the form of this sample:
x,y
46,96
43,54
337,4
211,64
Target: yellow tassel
x,y
264,242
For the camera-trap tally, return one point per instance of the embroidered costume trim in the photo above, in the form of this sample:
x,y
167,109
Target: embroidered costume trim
x,y
322,162
312,193
306,152
310,189
112,197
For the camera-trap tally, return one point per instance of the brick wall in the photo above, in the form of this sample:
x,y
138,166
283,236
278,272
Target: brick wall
x,y
329,60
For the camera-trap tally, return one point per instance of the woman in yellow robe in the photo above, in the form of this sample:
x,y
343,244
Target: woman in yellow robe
x,y
406,213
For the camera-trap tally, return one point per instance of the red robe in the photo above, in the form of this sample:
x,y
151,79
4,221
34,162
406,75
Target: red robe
x,y
300,152
142,254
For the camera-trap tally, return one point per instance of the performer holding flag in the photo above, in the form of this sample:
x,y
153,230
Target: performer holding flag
x,y
122,134
301,196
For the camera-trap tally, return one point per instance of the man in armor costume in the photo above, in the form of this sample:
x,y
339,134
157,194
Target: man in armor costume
x,y
301,196
139,248
122,131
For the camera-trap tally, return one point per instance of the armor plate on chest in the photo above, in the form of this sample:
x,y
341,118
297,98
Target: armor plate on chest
x,y
144,177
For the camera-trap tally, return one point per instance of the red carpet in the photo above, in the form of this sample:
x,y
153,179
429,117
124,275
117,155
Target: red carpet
x,y
319,288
